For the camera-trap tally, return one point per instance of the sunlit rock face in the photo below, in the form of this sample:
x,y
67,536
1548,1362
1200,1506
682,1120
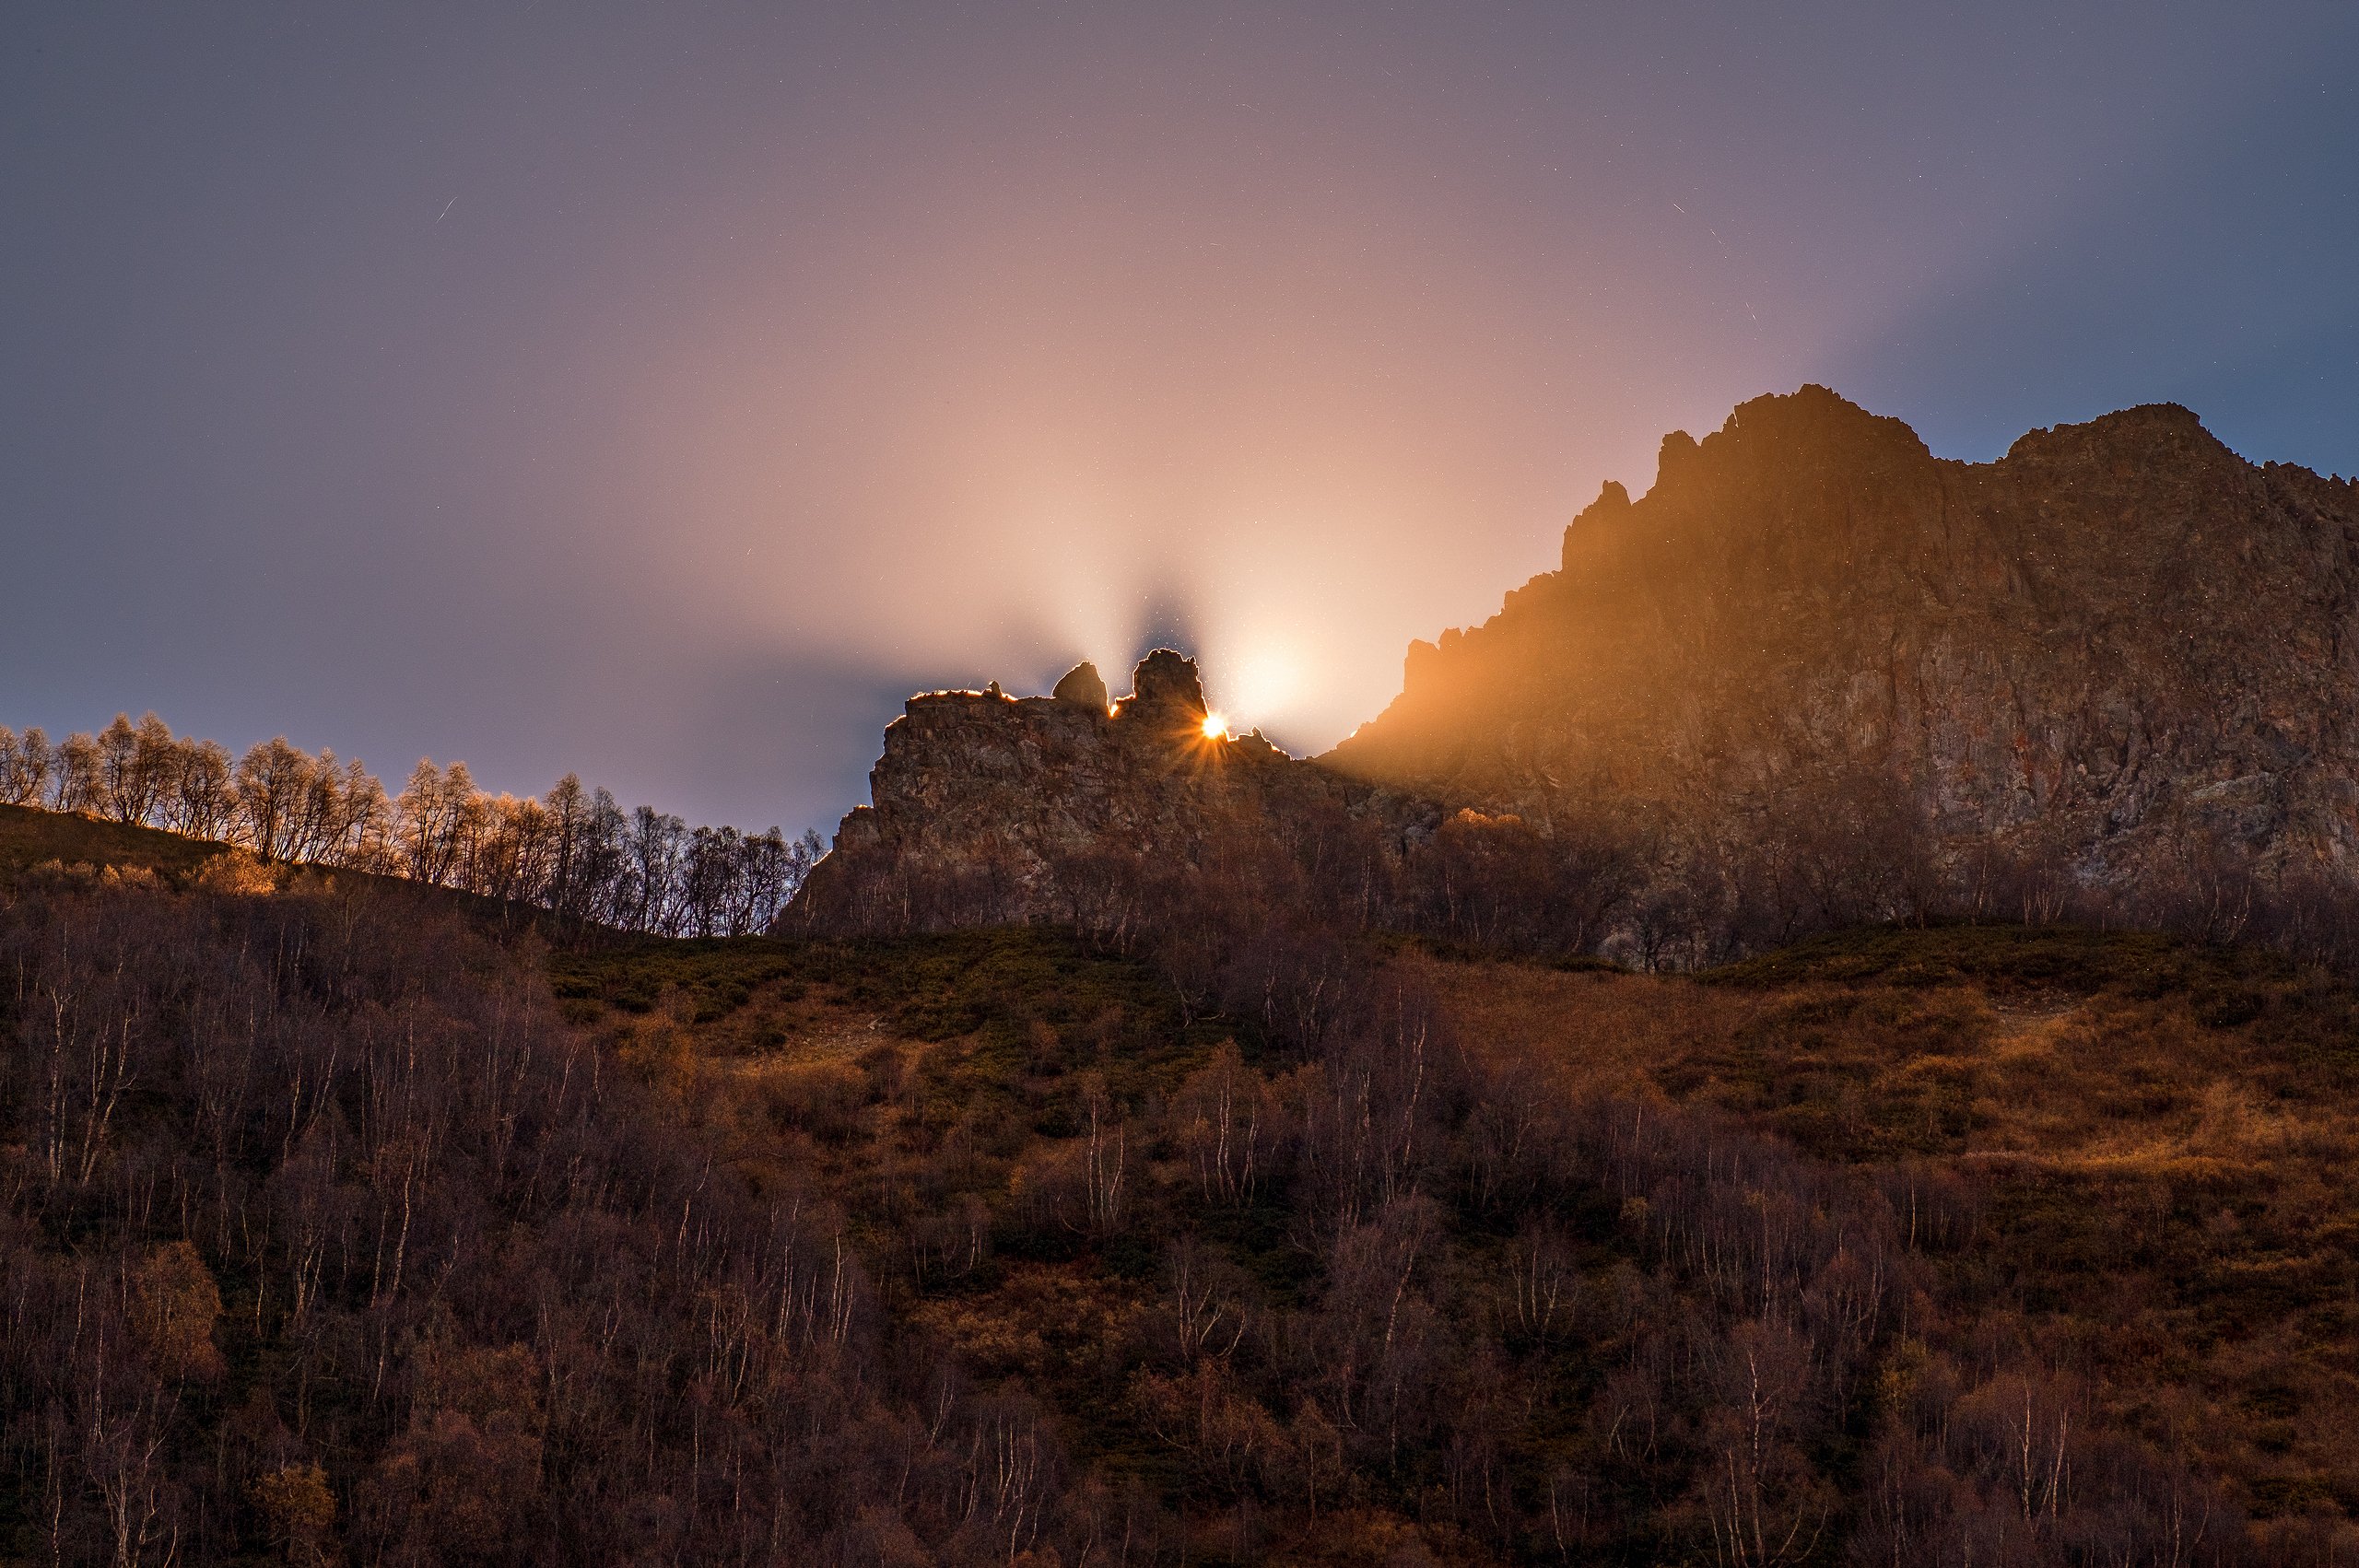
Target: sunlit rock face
x,y
992,809
2117,641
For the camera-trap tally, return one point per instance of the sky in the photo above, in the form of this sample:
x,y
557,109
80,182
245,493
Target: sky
x,y
663,392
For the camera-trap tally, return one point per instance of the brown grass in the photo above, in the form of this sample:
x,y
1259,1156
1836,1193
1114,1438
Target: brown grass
x,y
2161,1139
30,838
2172,1200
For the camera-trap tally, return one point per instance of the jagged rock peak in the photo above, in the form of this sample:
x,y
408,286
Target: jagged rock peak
x,y
1611,502
1166,680
1810,427
2121,643
1813,412
1084,685
2147,431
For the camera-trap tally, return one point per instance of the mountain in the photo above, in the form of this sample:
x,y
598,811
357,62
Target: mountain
x,y
345,1220
1815,677
2119,647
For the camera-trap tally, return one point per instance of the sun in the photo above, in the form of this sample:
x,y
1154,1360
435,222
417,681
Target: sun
x,y
1215,728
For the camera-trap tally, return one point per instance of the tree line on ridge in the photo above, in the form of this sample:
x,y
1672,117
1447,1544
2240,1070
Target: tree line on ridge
x,y
574,851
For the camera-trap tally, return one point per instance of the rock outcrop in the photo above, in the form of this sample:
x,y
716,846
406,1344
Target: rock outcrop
x,y
1082,684
2116,641
992,809
1815,674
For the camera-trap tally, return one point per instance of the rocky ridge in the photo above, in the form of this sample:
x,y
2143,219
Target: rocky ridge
x,y
988,808
1816,676
2119,644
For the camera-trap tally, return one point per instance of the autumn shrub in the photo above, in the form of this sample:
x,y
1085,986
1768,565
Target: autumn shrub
x,y
822,1099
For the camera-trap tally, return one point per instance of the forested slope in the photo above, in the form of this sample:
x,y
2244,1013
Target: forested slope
x,y
338,1226
325,1238
1972,1245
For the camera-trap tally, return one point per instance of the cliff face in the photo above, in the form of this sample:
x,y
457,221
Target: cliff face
x,y
2120,638
993,809
1811,677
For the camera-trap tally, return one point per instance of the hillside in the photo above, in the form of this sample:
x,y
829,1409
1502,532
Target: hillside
x,y
411,1240
2118,650
2102,1159
31,837
2154,1146
46,850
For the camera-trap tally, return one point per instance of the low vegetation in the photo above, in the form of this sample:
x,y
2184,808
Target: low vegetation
x,y
343,1226
30,838
2155,1139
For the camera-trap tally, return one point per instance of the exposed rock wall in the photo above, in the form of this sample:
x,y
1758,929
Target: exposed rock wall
x,y
989,808
1812,673
2118,639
